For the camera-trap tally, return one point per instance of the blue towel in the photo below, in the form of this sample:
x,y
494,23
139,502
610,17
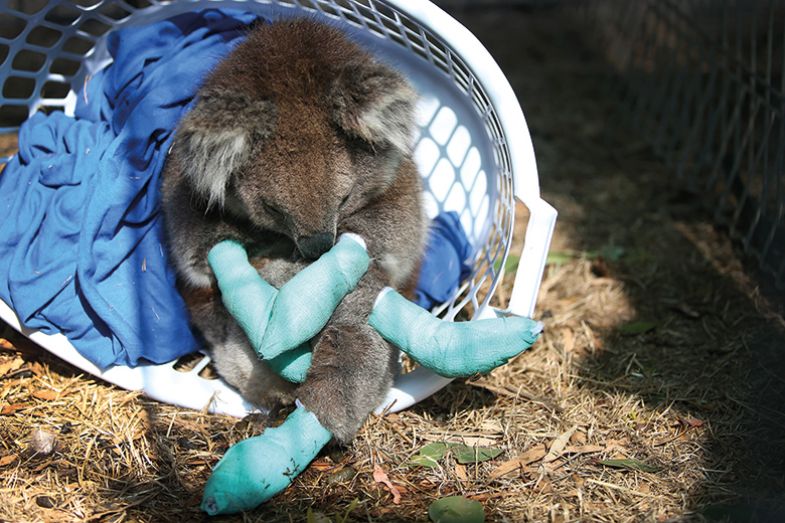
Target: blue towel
x,y
81,239
81,248
447,261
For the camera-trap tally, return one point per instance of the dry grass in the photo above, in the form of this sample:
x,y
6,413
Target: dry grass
x,y
698,397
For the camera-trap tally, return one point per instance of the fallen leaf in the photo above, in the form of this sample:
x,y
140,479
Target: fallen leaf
x,y
637,327
380,476
429,455
10,409
558,445
322,465
583,449
629,464
456,509
11,366
7,460
544,486
36,368
460,472
341,476
465,454
44,394
530,456
578,438
689,421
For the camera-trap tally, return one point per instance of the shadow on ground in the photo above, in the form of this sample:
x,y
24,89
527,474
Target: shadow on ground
x,y
709,352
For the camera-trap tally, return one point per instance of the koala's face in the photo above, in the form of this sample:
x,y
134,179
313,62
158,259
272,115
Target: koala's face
x,y
301,142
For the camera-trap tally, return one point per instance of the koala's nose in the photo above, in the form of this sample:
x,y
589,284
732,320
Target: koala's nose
x,y
315,245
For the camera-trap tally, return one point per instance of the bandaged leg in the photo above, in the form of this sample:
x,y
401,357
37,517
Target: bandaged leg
x,y
277,321
450,349
258,468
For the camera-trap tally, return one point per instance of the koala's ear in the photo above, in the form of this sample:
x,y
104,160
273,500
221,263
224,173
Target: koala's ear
x,y
374,103
215,139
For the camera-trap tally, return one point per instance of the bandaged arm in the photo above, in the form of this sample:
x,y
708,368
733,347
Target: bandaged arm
x,y
279,323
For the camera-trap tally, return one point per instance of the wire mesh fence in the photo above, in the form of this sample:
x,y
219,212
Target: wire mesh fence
x,y
703,80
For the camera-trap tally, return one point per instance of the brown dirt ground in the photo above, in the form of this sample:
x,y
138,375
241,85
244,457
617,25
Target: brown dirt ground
x,y
699,396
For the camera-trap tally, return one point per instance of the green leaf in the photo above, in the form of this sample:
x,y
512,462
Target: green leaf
x,y
429,455
629,464
637,327
558,258
465,454
422,461
510,266
456,509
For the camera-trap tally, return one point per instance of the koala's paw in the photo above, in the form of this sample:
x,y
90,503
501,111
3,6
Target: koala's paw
x,y
351,372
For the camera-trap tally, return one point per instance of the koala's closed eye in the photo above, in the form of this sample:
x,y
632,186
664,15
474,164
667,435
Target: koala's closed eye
x,y
273,211
345,200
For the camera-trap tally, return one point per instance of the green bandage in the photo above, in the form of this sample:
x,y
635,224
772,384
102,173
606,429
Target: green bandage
x,y
450,349
306,302
279,323
258,468
292,365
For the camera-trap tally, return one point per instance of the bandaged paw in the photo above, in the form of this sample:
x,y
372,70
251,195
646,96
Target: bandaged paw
x,y
256,469
450,349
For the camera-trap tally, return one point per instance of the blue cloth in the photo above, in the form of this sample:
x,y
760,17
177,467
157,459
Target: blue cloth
x,y
81,237
446,263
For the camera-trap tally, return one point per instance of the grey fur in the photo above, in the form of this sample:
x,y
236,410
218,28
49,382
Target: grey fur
x,y
214,140
323,151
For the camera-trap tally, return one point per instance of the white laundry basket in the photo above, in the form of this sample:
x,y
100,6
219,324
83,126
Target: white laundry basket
x,y
473,148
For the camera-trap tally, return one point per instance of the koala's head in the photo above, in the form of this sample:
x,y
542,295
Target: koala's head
x,y
295,130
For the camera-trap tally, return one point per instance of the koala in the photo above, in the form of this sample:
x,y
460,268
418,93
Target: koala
x,y
297,136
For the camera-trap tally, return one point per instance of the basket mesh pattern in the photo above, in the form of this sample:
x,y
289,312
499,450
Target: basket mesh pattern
x,y
45,48
704,79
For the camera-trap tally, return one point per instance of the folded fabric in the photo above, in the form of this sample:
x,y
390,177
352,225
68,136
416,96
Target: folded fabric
x,y
81,243
447,261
